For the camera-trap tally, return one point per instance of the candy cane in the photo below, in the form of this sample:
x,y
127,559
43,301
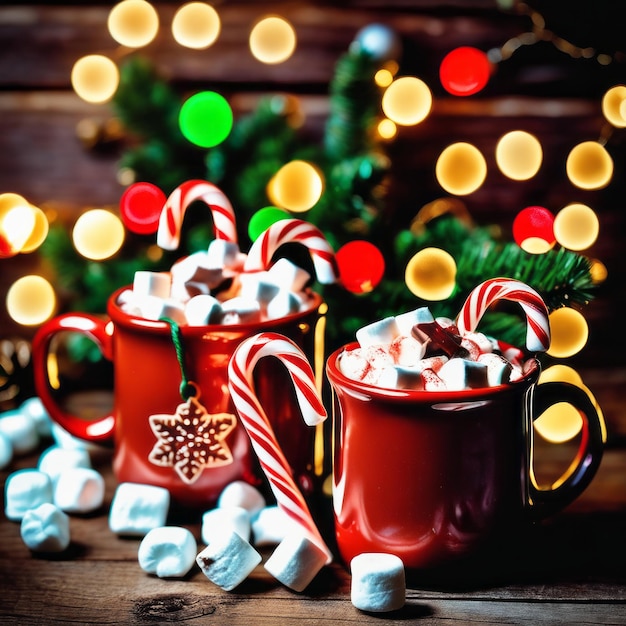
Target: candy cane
x,y
173,213
294,230
482,296
256,422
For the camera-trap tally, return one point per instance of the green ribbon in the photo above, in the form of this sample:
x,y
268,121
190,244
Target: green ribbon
x,y
188,389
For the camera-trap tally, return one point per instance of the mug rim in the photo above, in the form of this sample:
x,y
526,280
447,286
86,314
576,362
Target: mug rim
x,y
338,378
118,316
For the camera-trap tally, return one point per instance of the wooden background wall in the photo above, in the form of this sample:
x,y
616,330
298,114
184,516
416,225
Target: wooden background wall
x,y
540,89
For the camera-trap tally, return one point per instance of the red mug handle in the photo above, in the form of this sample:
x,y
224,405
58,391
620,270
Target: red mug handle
x,y
95,328
574,481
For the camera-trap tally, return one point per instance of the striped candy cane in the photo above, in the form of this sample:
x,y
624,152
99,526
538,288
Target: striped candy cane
x,y
294,230
482,296
256,422
173,213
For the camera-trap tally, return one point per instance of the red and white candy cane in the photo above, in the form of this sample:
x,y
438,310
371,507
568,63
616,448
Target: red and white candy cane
x,y
256,422
294,230
485,294
173,213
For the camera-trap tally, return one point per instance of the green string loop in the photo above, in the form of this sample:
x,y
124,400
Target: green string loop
x,y
188,389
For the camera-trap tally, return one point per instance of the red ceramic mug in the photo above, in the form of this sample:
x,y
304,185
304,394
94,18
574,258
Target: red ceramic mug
x,y
434,476
193,451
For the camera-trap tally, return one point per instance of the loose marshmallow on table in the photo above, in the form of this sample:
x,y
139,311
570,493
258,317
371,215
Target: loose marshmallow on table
x,y
79,490
378,582
26,489
296,561
243,494
56,460
45,529
136,509
167,551
270,526
228,560
34,408
21,430
225,519
6,451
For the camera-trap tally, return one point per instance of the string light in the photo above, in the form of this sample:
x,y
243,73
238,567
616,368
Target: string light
x,y
589,165
519,155
133,23
361,266
407,101
464,71
31,300
461,169
95,78
206,119
263,219
272,40
431,274
576,226
297,186
533,230
569,332
196,25
141,205
98,234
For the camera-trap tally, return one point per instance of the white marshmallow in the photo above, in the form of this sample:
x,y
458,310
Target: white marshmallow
x,y
65,440
270,526
381,332
378,582
24,490
459,374
167,551
148,283
353,364
288,275
257,286
282,304
296,561
400,378
222,253
79,490
157,308
406,321
225,519
45,529
498,368
6,451
481,340
56,460
407,351
34,408
136,509
243,494
228,560
240,310
202,310
21,430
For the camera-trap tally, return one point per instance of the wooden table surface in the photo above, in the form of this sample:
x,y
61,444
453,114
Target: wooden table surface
x,y
570,569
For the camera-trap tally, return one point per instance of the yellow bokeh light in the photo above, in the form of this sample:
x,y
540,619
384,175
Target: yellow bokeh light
x,y
461,169
95,78
569,332
272,40
98,234
431,274
383,77
598,271
613,103
133,23
519,155
196,25
387,129
407,101
31,300
589,165
576,226
536,245
39,232
17,225
297,186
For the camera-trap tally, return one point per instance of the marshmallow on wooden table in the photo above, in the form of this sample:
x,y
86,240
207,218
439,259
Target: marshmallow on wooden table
x,y
136,509
243,494
55,460
296,561
45,529
228,560
381,332
225,519
240,310
222,253
6,451
282,304
155,284
270,526
202,310
288,275
459,374
63,439
26,489
378,582
79,490
167,551
21,430
34,408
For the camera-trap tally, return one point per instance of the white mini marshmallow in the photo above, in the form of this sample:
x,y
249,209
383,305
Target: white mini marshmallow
x,y
202,310
406,321
225,519
6,451
34,408
21,429
400,378
296,561
288,275
498,368
136,509
243,494
79,490
56,460
381,332
484,343
45,529
222,253
378,582
270,526
240,310
228,560
24,490
157,308
459,374
407,351
167,551
148,283
67,441
282,304
257,286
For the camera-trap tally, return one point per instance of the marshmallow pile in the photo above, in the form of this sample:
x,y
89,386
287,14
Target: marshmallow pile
x,y
211,287
416,351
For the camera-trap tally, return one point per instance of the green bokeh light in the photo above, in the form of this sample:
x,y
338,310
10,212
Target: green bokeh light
x,y
263,219
206,119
